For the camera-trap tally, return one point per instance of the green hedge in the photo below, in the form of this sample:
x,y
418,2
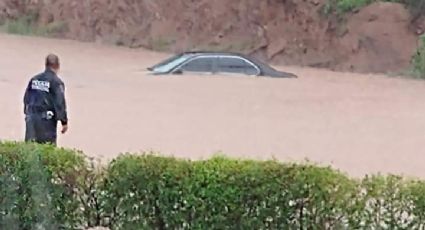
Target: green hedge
x,y
47,188
37,187
42,187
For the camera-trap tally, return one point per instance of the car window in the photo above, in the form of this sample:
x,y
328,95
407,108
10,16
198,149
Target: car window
x,y
236,65
199,64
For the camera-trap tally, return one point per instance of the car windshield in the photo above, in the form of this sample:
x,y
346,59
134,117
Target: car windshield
x,y
170,63
166,61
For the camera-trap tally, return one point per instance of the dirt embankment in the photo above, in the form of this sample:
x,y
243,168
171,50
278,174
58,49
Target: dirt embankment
x,y
379,38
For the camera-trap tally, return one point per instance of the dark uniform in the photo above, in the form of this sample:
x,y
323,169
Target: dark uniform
x,y
44,106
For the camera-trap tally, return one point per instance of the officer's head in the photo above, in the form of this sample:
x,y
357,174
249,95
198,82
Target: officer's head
x,y
52,62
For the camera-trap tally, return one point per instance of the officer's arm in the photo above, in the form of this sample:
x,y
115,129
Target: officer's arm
x,y
26,96
60,103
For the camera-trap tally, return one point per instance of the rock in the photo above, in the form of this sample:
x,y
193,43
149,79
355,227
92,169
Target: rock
x,y
98,228
276,47
315,2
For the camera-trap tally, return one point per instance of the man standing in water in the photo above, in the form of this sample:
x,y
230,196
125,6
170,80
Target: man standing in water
x,y
44,104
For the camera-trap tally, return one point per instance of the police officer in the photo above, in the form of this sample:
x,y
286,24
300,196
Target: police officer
x,y
44,104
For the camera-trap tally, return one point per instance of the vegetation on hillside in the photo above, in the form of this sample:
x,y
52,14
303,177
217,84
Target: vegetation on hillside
x,y
42,187
418,61
27,25
417,7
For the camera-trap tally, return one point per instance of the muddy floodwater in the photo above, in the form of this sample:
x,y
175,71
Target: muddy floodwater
x,y
357,123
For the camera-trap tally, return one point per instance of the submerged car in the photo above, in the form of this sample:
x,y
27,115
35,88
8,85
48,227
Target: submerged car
x,y
216,62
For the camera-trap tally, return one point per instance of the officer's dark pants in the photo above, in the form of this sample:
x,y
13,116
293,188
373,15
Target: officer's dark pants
x,y
40,130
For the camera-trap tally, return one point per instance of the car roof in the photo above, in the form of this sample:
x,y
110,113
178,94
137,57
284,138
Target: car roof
x,y
200,53
195,53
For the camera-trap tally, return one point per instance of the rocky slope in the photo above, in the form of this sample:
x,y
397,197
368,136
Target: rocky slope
x,y
379,38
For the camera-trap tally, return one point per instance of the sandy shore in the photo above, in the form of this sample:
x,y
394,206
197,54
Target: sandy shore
x,y
357,123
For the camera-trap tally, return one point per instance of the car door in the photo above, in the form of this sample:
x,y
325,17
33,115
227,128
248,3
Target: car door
x,y
236,65
201,64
